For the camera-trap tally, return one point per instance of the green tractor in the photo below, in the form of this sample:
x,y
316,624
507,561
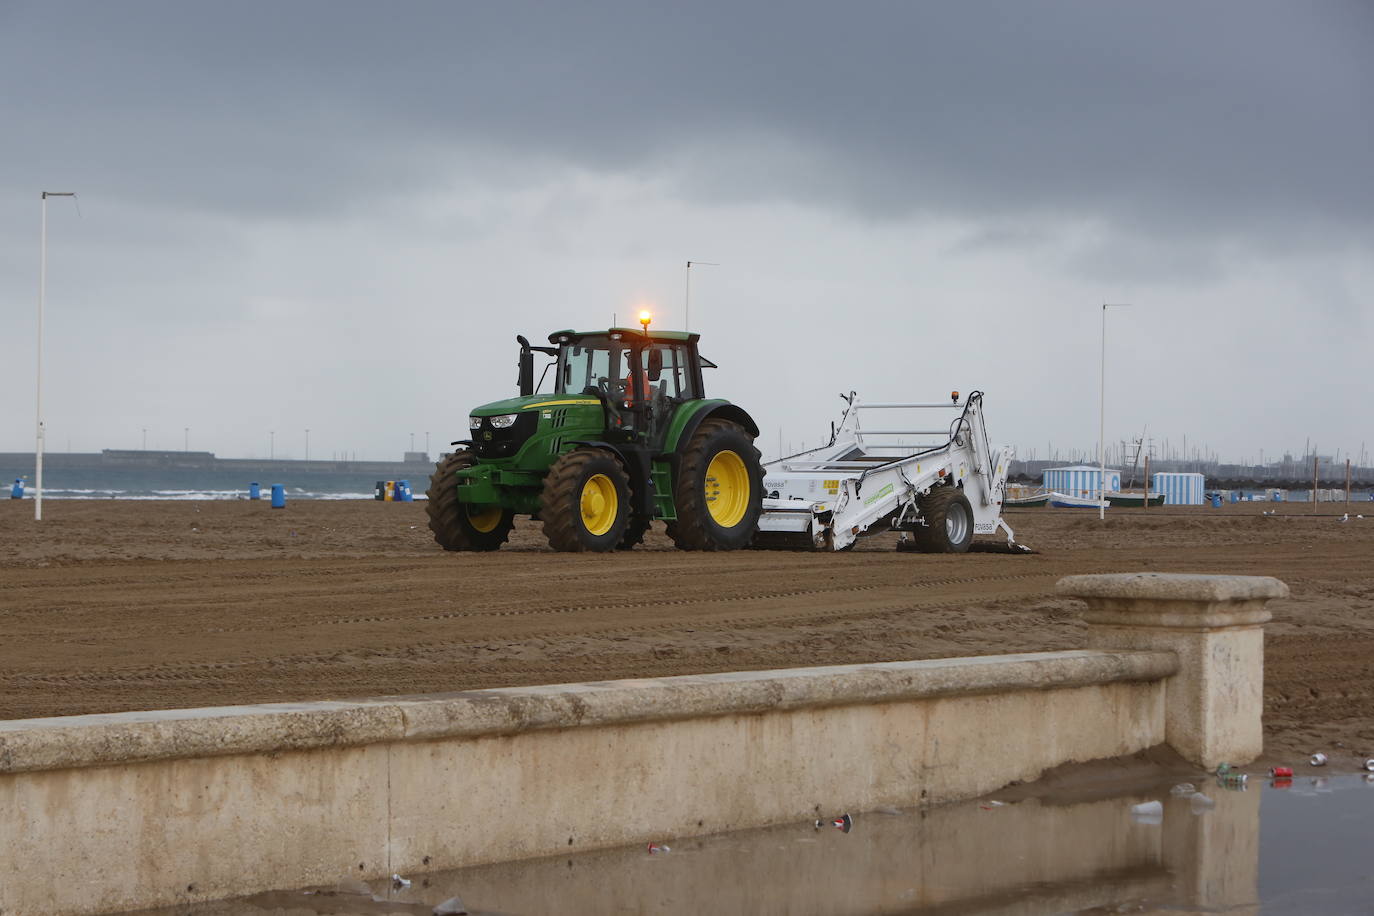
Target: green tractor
x,y
624,435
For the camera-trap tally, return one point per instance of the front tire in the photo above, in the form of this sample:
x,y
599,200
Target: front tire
x,y
586,502
458,525
719,489
948,522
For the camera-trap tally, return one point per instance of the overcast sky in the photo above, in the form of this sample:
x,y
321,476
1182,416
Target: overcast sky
x,y
336,216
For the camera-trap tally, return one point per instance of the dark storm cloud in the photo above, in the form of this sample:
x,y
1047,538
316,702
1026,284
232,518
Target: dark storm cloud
x,y
1160,118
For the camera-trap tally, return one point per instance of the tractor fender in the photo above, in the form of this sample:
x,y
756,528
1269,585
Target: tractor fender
x,y
723,410
593,443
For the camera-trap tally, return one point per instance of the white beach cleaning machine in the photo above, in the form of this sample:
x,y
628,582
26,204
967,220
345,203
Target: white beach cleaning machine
x,y
938,485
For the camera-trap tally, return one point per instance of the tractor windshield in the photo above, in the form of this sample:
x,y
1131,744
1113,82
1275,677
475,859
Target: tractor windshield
x,y
589,367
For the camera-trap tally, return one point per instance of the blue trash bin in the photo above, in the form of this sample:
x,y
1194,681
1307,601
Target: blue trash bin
x,y
403,493
17,491
254,491
1216,500
278,496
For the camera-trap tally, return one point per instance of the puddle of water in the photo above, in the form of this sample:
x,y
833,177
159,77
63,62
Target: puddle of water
x,y
1308,853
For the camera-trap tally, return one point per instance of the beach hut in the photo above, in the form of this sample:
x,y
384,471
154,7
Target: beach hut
x,y
1081,480
1180,489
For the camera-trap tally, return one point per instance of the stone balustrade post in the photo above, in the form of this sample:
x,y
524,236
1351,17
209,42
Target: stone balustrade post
x,y
1215,624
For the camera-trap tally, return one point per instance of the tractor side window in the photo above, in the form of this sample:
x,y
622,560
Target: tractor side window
x,y
582,368
675,379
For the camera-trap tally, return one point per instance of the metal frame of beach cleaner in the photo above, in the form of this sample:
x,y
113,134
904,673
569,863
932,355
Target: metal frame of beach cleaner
x,y
862,482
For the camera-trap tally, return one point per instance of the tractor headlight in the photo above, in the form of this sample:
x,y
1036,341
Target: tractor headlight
x,y
505,421
474,422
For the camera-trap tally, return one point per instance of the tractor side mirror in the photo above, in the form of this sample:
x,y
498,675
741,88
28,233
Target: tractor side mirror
x,y
655,364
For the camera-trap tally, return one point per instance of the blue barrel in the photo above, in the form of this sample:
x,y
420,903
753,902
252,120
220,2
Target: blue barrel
x,y
403,493
278,496
1216,500
17,491
254,491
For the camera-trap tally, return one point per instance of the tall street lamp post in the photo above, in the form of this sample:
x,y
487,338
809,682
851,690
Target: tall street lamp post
x,y
687,294
1102,415
42,295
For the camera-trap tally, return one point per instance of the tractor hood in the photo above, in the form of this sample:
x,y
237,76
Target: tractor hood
x,y
532,402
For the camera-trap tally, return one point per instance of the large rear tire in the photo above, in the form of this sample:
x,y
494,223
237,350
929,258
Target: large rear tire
x,y
949,522
458,525
719,489
586,501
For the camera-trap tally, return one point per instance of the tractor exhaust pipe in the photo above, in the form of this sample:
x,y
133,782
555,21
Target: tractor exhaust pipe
x,y
526,379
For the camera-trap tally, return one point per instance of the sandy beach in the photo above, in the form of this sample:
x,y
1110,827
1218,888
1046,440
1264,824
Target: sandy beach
x,y
118,605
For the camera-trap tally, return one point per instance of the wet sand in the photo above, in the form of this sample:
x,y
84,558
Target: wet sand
x,y
117,605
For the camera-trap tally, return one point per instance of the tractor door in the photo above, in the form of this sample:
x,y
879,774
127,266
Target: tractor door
x,y
668,381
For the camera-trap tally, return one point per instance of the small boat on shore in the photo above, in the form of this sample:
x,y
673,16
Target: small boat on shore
x,y
1134,500
1065,501
1025,497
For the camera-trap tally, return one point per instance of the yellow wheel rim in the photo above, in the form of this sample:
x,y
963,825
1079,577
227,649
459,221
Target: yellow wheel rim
x,y
600,504
484,519
727,489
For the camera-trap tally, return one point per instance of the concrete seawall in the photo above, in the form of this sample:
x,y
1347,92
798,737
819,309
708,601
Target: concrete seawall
x,y
110,812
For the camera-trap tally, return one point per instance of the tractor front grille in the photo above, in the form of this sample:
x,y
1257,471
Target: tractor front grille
x,y
502,443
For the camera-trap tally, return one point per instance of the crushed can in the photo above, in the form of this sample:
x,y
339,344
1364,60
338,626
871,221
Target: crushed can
x,y
1233,780
1319,760
1369,764
1280,772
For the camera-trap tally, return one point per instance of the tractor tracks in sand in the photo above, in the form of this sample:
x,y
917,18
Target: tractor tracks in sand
x,y
590,616
427,638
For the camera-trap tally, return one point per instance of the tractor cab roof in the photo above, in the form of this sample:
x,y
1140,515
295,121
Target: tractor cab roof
x,y
570,336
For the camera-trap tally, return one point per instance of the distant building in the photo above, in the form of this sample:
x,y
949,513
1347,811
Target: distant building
x,y
1180,489
1081,480
417,458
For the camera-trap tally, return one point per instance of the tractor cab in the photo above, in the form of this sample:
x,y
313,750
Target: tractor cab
x,y
640,378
